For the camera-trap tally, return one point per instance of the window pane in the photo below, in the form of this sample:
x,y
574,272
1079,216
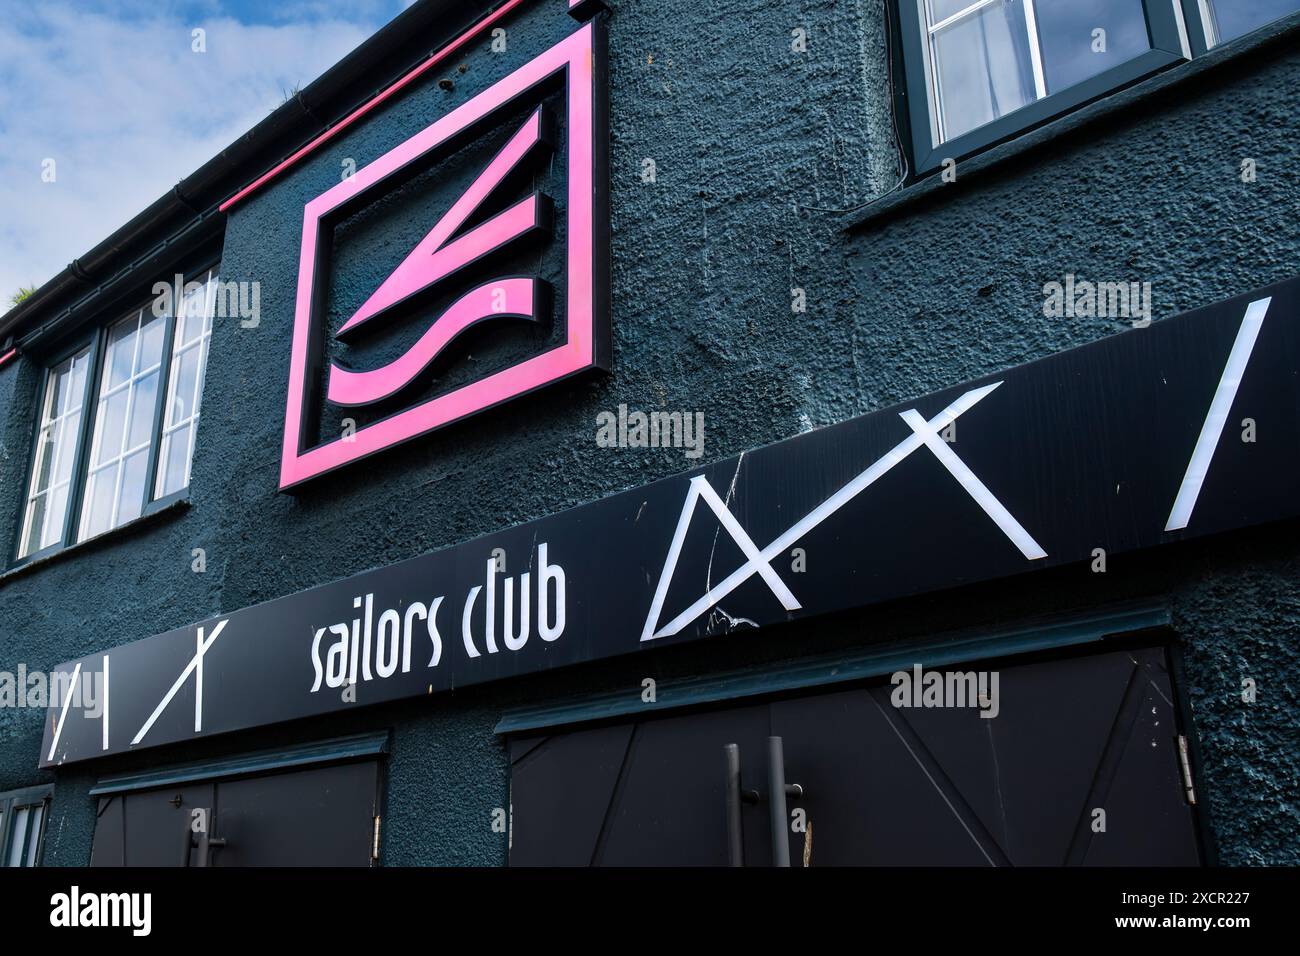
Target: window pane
x,y
133,481
1071,53
46,451
56,399
65,451
193,315
185,389
112,422
77,391
54,454
34,842
1234,18
983,67
142,411
101,489
33,529
18,837
187,377
56,509
175,458
120,360
151,341
941,10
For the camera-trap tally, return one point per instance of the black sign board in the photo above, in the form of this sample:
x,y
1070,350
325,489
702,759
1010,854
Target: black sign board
x,y
1186,427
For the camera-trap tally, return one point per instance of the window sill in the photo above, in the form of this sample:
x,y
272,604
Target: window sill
x,y
904,198
162,513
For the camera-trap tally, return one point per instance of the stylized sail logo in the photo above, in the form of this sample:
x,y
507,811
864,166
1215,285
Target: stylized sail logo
x,y
462,238
438,256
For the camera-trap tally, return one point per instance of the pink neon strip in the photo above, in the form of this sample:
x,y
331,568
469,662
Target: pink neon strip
x,y
486,392
496,232
434,258
391,91
7,356
499,299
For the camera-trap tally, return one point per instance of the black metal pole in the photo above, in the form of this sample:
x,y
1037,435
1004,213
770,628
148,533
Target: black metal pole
x,y
735,834
776,801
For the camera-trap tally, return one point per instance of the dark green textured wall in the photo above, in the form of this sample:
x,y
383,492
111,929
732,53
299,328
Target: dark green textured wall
x,y
757,149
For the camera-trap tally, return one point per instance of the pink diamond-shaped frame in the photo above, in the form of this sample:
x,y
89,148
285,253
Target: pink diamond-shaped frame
x,y
587,345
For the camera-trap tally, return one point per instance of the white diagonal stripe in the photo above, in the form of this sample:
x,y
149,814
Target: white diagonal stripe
x,y
1003,518
746,544
105,728
203,646
63,714
800,528
1217,417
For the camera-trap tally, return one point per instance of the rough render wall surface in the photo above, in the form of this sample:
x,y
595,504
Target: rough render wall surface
x,y
757,151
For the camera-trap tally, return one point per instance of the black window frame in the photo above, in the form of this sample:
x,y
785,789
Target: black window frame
x,y
1167,50
27,797
96,339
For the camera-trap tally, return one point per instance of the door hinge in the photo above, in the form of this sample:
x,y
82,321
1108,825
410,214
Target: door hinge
x,y
1189,788
374,848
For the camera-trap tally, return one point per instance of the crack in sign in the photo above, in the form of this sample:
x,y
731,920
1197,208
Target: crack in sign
x,y
924,434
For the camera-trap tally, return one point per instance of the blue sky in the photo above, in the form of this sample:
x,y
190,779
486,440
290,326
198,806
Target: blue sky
x,y
114,94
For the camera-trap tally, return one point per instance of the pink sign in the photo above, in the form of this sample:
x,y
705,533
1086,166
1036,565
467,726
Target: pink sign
x,y
445,251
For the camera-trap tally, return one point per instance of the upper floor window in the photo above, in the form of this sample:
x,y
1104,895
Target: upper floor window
x,y
185,390
99,464
124,424
44,521
979,71
1225,20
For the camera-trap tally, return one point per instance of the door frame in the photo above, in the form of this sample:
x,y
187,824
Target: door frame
x,y
1060,638
353,748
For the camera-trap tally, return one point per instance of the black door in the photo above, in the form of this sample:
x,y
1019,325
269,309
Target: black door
x,y
646,794
317,816
1081,766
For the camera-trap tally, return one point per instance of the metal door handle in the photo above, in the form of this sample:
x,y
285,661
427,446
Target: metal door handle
x,y
206,845
202,841
735,796
780,790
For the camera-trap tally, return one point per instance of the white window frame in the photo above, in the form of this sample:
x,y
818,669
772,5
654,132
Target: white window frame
x,y
94,349
117,459
170,427
50,432
932,30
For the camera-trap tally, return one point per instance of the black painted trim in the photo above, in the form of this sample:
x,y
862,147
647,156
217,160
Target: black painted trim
x,y
336,750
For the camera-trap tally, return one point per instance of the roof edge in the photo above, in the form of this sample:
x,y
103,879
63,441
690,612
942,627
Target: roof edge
x,y
197,198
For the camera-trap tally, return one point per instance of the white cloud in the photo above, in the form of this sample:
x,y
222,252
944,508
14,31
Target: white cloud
x,y
126,109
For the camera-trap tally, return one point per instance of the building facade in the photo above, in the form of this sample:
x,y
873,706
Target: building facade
x,y
784,228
